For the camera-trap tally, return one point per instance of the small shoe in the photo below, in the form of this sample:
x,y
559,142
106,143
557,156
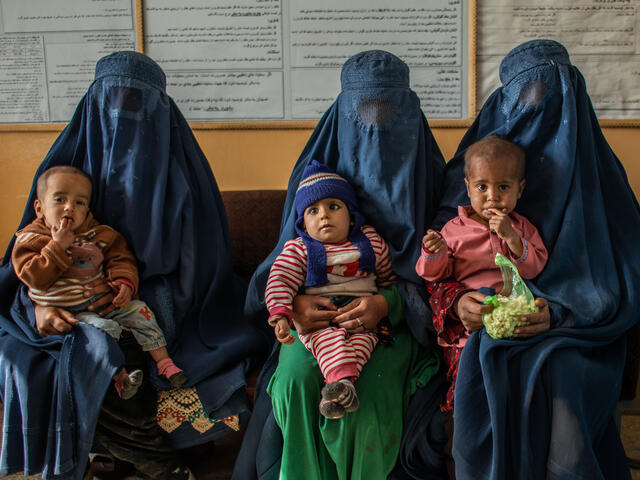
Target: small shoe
x,y
331,410
353,404
130,384
334,391
178,379
343,392
173,373
180,473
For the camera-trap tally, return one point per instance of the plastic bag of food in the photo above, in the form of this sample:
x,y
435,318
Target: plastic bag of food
x,y
510,304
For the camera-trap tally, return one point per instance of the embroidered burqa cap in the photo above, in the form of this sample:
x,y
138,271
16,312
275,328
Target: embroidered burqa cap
x,y
152,183
547,402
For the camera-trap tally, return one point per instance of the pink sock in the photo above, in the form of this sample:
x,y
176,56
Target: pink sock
x,y
346,370
166,368
119,380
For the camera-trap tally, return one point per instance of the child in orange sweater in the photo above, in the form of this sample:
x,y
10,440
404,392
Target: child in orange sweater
x,y
65,248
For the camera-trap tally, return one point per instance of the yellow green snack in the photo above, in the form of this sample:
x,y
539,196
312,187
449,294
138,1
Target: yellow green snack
x,y
508,308
505,316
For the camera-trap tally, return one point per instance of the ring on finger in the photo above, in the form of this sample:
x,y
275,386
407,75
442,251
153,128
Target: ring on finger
x,y
359,322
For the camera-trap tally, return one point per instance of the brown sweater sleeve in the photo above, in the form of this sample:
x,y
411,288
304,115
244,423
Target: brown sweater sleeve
x,y
119,262
38,260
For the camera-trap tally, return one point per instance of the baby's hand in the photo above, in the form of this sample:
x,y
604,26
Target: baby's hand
x,y
433,241
283,332
123,294
501,224
62,234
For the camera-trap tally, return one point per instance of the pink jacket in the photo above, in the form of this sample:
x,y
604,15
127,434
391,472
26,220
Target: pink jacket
x,y
471,250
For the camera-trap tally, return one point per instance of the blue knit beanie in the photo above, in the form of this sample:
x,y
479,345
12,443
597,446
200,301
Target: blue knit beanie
x,y
318,182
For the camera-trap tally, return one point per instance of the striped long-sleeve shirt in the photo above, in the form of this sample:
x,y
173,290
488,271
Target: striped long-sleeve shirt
x,y
56,276
289,271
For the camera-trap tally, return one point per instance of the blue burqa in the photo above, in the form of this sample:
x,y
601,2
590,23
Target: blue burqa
x,y
153,184
375,136
543,407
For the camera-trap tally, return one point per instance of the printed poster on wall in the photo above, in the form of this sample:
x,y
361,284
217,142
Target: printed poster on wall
x,y
48,53
601,36
281,59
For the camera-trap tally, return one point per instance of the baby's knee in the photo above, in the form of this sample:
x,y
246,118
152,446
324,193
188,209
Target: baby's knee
x,y
107,325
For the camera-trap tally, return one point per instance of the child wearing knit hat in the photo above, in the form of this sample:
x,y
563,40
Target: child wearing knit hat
x,y
337,256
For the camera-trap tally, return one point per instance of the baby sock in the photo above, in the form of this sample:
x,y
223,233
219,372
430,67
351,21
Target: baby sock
x,y
330,409
342,392
169,370
127,384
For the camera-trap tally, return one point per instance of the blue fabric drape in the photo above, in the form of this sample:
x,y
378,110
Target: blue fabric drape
x,y
542,407
375,136
152,183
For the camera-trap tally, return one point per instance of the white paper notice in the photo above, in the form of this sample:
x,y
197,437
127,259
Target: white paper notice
x,y
44,73
22,80
281,59
231,59
65,15
601,36
228,94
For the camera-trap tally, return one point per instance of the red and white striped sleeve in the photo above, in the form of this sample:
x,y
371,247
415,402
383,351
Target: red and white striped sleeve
x,y
384,274
286,276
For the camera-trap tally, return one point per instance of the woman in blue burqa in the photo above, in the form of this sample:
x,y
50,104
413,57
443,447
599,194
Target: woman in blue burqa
x,y
542,406
152,183
375,136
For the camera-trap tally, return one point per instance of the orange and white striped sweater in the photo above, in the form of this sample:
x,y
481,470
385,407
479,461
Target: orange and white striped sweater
x,y
56,276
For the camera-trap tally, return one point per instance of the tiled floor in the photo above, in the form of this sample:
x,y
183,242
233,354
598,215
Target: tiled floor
x,y
216,463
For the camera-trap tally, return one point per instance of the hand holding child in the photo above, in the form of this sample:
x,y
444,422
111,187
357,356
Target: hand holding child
x,y
501,224
311,312
363,313
433,241
62,234
282,331
53,320
123,294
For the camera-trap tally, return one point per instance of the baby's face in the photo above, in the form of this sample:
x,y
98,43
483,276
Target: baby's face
x,y
493,185
327,220
66,198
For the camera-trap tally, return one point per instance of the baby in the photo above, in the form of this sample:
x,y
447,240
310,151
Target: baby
x,y
466,246
337,256
65,248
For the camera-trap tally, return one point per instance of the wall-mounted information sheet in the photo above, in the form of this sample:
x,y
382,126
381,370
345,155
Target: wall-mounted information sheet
x,y
48,53
602,37
281,59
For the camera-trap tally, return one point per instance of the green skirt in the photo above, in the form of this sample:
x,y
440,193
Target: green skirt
x,y
363,444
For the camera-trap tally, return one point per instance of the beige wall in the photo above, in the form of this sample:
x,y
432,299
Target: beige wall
x,y
240,159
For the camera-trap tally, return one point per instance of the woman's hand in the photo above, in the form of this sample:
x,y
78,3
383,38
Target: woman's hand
x,y
362,314
311,312
469,308
536,322
53,320
104,304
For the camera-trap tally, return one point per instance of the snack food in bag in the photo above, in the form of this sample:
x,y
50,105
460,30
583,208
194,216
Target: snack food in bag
x,y
510,304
